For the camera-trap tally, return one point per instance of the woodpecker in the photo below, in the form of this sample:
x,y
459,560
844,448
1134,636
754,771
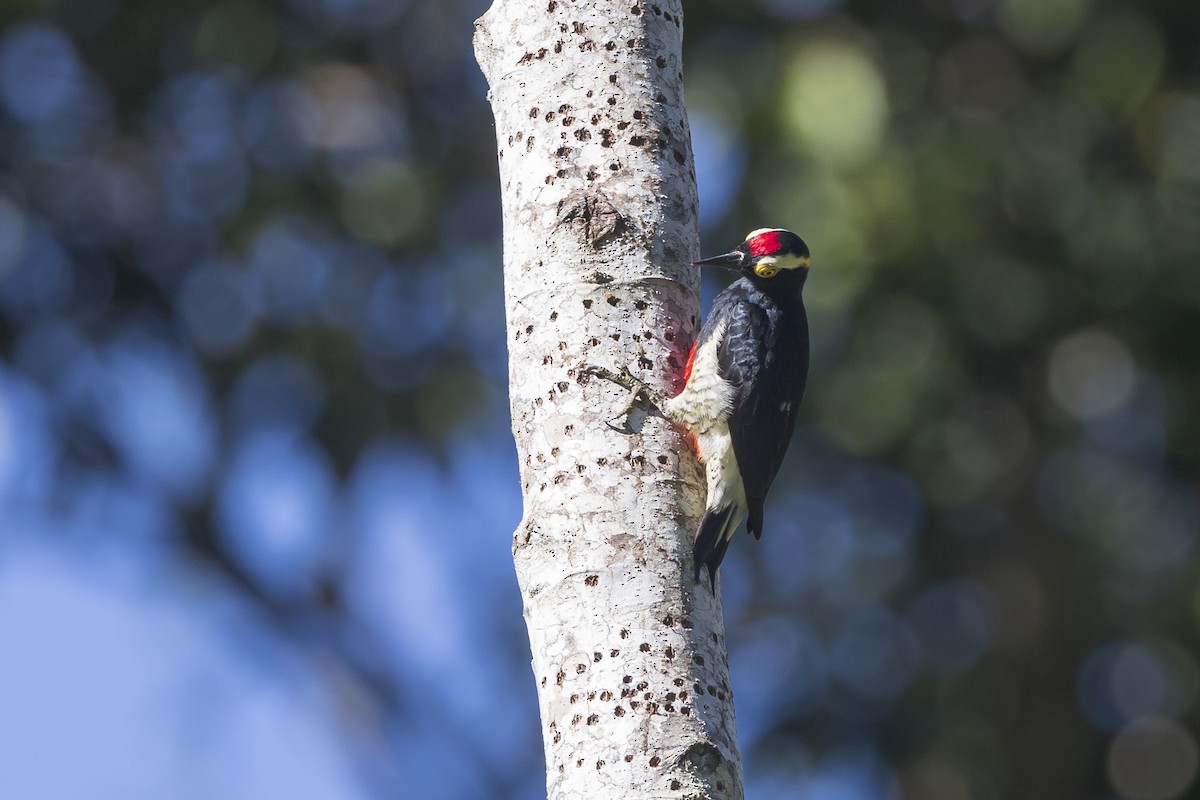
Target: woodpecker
x,y
743,383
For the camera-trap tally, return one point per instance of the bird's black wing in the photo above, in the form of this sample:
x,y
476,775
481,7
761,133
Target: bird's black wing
x,y
765,354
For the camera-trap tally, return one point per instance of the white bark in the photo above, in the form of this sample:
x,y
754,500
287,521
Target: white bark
x,y
599,230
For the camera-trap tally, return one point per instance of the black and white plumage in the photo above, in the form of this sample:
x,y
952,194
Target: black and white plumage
x,y
743,385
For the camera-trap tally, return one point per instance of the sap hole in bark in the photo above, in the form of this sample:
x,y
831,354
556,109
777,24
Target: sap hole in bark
x,y
593,341
676,786
668,620
533,112
660,98
561,769
669,336
612,101
655,761
644,647
699,659
648,696
663,459
660,62
580,468
590,92
575,720
568,430
553,4
599,764
637,10
669,652
587,46
568,121
562,345
640,305
529,144
579,763
558,46
614,166
554,451
587,303
573,699
562,676
610,46
591,580
622,125
550,115
685,623
679,157
637,461
612,299
553,316
670,697
716,639
563,386
596,656
579,28
607,139
616,337
596,119
720,784
620,712
634,705
651,708
593,719
683,696
627,679
606,695
641,687
557,738
562,152
580,668
679,681
637,141
541,458
583,134
546,360
712,690
601,462
644,362
628,758
614,653
625,635
612,78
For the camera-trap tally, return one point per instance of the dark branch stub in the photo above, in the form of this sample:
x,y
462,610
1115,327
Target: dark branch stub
x,y
591,215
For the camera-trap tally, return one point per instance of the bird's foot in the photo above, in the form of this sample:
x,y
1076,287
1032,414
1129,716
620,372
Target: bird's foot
x,y
640,395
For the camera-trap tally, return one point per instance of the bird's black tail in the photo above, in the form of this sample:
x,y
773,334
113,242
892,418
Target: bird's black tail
x,y
712,540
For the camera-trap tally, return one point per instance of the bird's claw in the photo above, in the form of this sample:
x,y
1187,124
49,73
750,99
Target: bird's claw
x,y
639,393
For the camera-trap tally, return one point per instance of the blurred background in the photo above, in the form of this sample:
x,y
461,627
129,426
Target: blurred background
x,y
256,481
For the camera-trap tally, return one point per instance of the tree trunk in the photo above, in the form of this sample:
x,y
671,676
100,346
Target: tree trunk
x,y
599,203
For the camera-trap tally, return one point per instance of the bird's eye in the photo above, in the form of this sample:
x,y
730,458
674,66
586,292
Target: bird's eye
x,y
766,271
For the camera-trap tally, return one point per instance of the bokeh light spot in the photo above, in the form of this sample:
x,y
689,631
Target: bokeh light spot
x,y
1153,759
1090,373
835,102
1042,26
39,72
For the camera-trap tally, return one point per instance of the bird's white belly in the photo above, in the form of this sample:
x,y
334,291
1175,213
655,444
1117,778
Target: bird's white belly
x,y
707,399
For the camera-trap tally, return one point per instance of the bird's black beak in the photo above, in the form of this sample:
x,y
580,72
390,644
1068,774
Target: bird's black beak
x,y
732,260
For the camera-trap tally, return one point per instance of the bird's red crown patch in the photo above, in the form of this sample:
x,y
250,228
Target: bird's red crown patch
x,y
765,244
